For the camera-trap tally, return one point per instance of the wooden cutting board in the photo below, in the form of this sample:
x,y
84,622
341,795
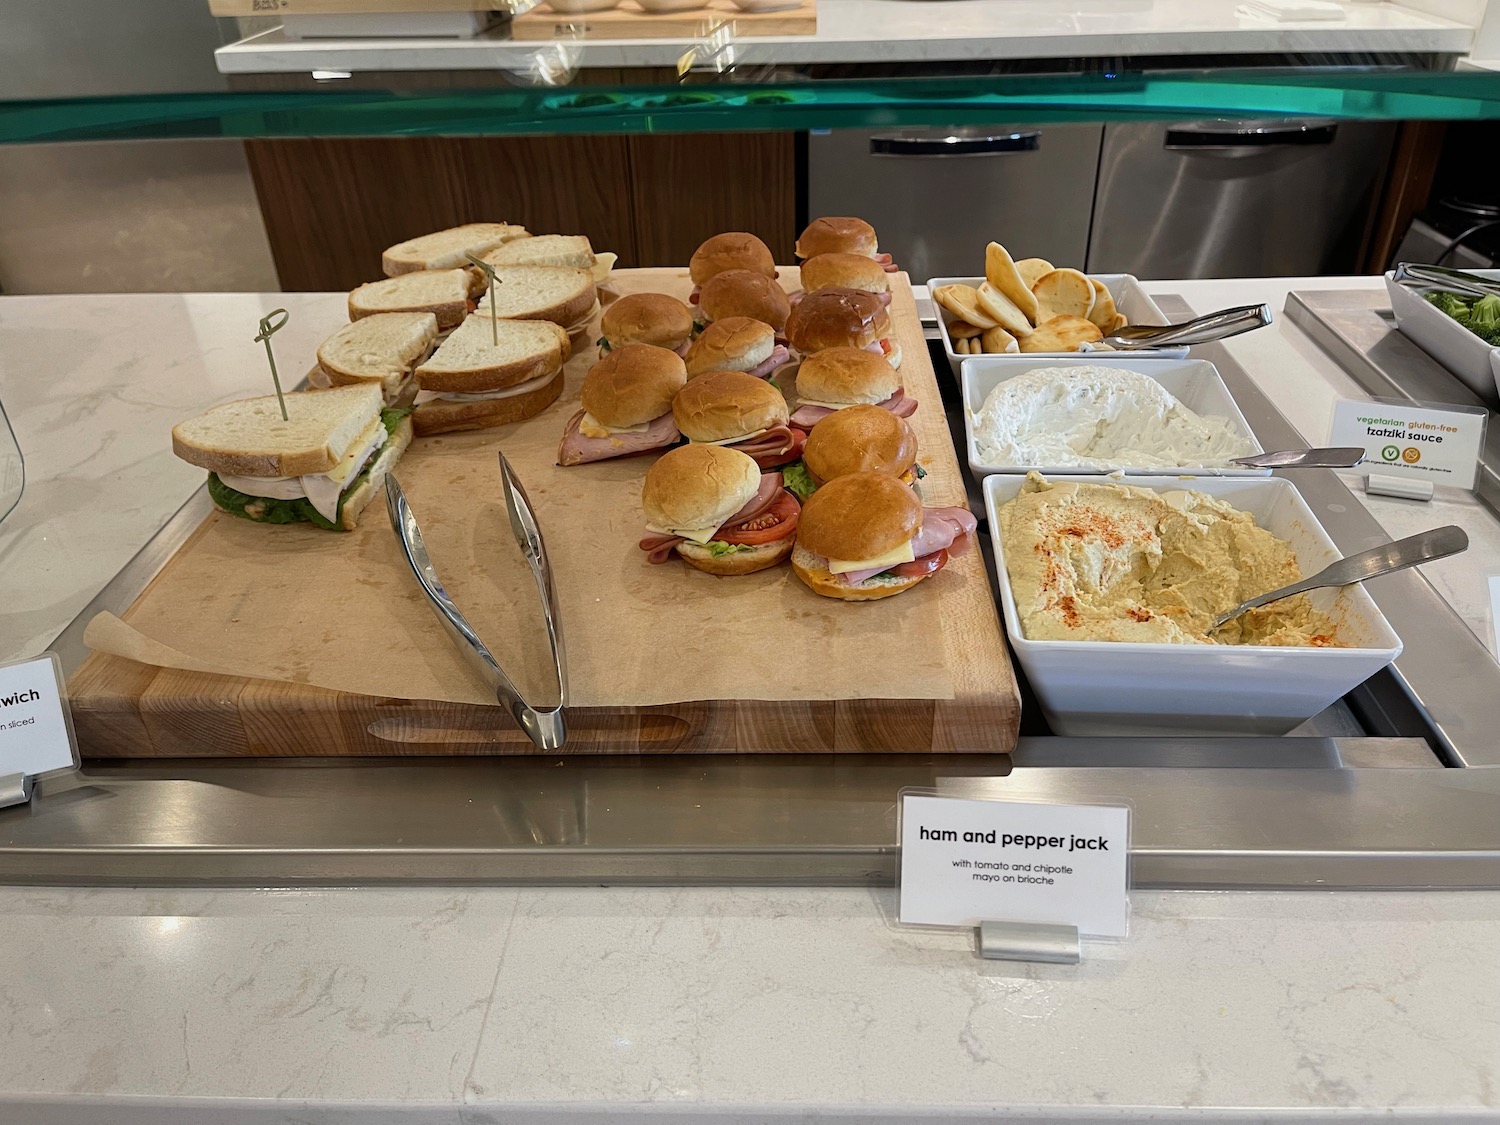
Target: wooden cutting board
x,y
631,21
123,708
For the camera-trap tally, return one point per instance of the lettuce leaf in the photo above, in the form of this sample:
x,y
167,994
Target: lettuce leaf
x,y
719,549
798,481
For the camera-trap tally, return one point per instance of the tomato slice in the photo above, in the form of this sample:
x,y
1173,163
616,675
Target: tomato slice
x,y
780,520
927,564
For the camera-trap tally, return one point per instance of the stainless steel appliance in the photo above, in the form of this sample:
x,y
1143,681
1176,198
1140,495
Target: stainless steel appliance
x,y
938,195
1235,198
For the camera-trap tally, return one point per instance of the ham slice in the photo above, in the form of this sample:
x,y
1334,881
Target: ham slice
x,y
776,446
943,529
682,348
779,357
886,263
576,449
898,404
659,547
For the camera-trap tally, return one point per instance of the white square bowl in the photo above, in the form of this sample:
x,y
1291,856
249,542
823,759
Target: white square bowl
x,y
1475,363
1195,383
1109,687
1129,297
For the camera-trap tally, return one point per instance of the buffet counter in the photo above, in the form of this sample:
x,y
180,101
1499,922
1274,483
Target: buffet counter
x,y
743,1004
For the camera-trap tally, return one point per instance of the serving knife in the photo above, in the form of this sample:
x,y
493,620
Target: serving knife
x,y
1334,457
545,726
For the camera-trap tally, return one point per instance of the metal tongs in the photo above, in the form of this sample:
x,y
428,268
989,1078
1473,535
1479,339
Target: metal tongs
x,y
1441,279
545,726
1200,330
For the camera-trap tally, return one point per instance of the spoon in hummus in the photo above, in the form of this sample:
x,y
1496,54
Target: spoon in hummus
x,y
1423,547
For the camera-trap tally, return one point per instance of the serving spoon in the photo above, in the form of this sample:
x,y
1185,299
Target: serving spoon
x,y
1200,330
1335,457
1425,546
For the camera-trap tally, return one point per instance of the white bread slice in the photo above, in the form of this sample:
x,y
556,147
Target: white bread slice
x,y
444,417
469,362
361,494
248,438
444,293
563,296
571,250
380,348
445,249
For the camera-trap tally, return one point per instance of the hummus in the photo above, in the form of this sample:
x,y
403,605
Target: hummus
x,y
1114,562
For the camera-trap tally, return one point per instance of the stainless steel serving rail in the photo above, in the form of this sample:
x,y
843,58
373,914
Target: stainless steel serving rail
x,y
1399,798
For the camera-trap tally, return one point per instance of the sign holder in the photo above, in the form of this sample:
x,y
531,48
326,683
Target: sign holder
x,y
1410,447
36,726
1030,877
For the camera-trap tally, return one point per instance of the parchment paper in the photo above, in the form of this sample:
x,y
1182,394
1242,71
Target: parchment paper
x,y
344,611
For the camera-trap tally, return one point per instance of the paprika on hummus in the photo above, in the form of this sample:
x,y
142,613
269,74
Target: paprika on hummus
x,y
1115,562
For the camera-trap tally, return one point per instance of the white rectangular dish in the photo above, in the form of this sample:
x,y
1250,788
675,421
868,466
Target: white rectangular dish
x,y
1129,297
1107,687
1475,363
1195,383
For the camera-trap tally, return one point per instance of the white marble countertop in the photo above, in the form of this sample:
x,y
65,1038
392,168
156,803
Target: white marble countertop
x,y
743,1005
859,31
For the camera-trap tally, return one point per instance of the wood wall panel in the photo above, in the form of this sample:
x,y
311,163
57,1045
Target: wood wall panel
x,y
693,185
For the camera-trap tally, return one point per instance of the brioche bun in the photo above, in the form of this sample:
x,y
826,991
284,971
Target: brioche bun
x,y
837,235
727,404
735,250
695,486
838,317
736,343
761,556
633,384
859,516
850,375
859,439
814,572
647,318
745,293
849,271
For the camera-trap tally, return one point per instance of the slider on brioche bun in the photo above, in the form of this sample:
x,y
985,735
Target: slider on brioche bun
x,y
736,343
834,318
698,486
745,293
860,439
735,250
633,384
837,234
846,375
859,516
728,405
849,271
647,318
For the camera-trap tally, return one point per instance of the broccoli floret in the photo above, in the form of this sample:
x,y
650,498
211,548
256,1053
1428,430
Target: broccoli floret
x,y
1452,304
1484,320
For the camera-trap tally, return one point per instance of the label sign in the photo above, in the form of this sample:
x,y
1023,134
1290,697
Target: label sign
x,y
36,735
1437,444
966,861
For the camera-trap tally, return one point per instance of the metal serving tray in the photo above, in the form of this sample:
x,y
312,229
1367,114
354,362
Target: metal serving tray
x,y
1373,794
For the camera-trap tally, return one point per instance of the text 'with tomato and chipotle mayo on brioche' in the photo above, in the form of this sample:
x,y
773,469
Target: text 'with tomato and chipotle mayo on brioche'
x,y
748,294
319,465
737,343
647,318
382,348
842,234
712,506
735,409
733,250
486,375
835,378
866,535
627,406
841,318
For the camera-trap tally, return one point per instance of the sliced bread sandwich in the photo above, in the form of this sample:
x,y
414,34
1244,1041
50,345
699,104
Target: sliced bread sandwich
x,y
565,250
448,249
473,382
381,348
562,295
320,465
444,293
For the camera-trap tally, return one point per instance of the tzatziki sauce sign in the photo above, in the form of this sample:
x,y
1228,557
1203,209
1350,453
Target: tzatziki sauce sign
x,y
965,861
1437,444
